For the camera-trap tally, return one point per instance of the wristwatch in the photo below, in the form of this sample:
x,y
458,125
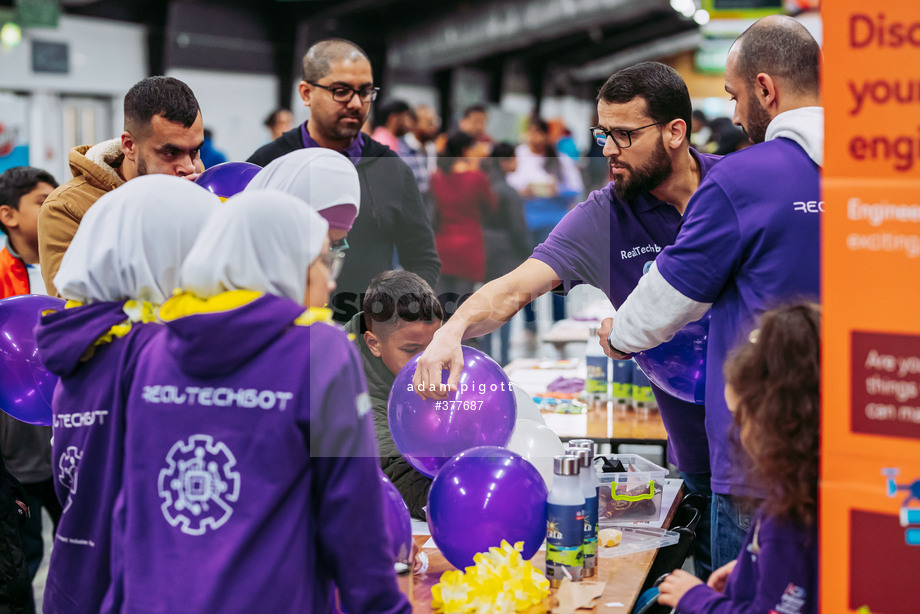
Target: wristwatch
x,y
616,350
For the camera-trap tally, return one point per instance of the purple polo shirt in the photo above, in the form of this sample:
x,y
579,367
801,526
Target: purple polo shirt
x,y
353,151
777,571
746,245
610,243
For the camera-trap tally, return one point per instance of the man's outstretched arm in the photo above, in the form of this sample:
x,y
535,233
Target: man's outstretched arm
x,y
486,310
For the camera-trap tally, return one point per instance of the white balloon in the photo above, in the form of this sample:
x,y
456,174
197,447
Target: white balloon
x,y
538,444
526,408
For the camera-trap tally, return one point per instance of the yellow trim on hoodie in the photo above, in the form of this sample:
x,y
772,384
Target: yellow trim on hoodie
x,y
137,311
314,314
186,303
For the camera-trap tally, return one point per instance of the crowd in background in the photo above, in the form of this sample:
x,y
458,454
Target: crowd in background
x,y
264,283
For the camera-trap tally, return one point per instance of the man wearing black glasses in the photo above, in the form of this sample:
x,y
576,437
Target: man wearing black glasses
x,y
609,241
338,88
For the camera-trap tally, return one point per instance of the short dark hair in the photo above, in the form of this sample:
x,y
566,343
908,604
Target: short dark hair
x,y
153,96
400,295
664,91
503,150
539,123
456,144
272,118
320,55
391,107
18,181
783,48
474,108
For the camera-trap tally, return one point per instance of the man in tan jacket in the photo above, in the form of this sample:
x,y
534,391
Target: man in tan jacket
x,y
163,135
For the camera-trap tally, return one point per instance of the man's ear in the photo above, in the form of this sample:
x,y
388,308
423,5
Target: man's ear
x,y
766,91
675,133
129,146
373,344
9,217
305,89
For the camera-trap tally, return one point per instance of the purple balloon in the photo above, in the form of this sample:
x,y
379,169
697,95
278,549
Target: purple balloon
x,y
398,523
483,496
481,413
227,178
679,366
26,386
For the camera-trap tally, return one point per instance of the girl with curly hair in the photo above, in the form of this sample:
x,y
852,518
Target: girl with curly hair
x,y
772,386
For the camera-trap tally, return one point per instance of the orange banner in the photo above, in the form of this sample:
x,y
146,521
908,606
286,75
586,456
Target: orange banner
x,y
870,489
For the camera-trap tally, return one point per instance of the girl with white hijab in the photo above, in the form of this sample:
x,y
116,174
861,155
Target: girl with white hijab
x,y
263,241
325,179
270,404
123,261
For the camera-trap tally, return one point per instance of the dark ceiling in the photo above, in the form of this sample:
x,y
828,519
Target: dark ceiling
x,y
270,35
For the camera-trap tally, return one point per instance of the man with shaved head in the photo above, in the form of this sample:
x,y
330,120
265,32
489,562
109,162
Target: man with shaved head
x,y
338,88
750,240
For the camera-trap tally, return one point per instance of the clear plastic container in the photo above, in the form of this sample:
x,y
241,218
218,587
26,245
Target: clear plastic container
x,y
638,538
631,495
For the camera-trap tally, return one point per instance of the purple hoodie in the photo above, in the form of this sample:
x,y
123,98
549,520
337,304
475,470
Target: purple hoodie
x,y
88,446
776,573
251,467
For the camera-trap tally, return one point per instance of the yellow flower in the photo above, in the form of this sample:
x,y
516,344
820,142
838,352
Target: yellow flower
x,y
499,582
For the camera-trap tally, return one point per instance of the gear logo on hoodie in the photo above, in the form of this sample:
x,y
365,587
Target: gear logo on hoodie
x,y
198,485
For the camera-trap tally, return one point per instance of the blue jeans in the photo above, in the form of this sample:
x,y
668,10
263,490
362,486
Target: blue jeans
x,y
698,484
731,520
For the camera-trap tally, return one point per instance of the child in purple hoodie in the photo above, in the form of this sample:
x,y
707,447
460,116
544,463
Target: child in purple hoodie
x,y
122,263
251,480
772,386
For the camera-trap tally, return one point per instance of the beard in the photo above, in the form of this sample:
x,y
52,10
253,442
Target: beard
x,y
342,132
757,120
645,178
141,165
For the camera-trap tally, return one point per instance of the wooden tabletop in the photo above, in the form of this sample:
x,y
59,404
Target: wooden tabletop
x,y
603,422
623,575
609,422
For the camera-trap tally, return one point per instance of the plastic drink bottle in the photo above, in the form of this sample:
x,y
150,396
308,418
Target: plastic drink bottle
x,y
565,522
590,489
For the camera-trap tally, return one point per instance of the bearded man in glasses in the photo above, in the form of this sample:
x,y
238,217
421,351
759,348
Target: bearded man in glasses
x,y
609,241
338,88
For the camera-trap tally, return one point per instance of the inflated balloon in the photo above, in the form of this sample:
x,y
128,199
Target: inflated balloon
x,y
227,178
25,385
538,444
679,366
526,408
481,412
482,496
398,523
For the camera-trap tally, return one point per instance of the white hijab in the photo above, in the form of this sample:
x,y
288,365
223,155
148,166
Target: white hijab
x,y
321,177
262,240
131,243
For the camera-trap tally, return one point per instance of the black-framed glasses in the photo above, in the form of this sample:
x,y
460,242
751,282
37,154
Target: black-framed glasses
x,y
333,261
622,138
344,94
339,245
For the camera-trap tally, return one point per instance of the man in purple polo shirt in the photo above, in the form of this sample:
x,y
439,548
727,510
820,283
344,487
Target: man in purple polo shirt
x,y
338,88
750,239
608,241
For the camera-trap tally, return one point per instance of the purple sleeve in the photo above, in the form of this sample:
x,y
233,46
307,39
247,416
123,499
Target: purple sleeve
x,y
707,251
574,251
785,581
347,490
